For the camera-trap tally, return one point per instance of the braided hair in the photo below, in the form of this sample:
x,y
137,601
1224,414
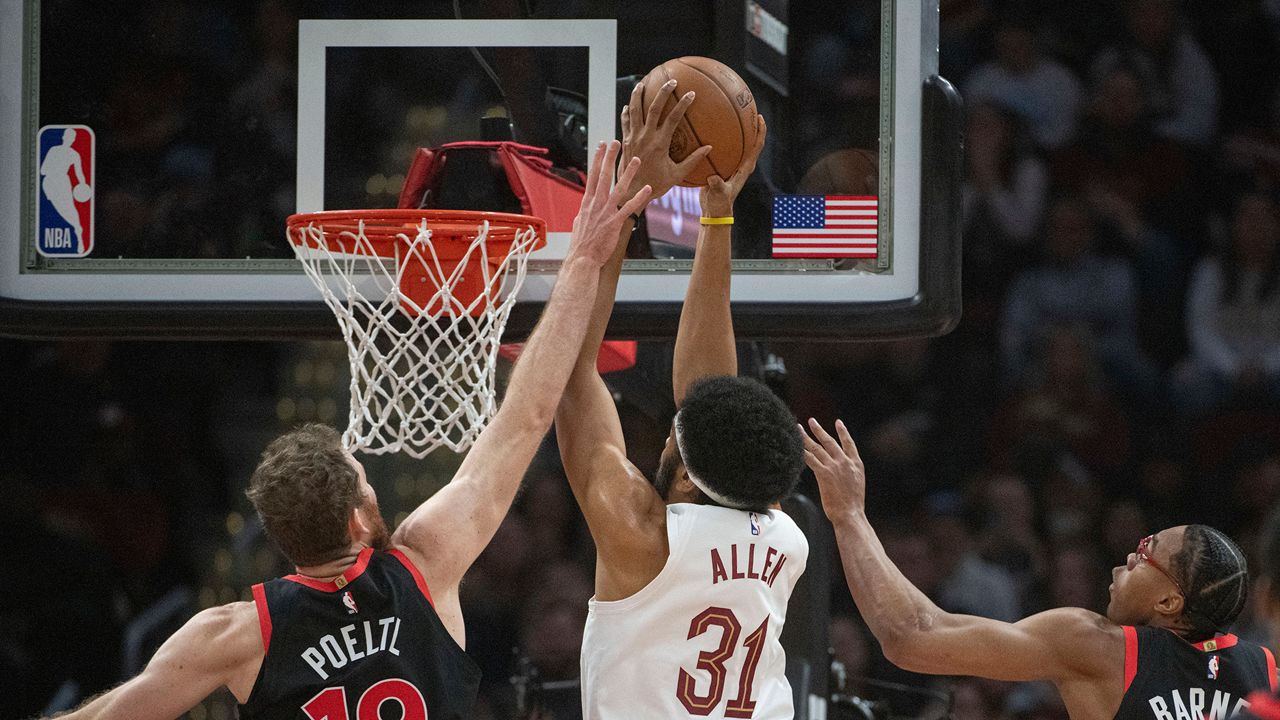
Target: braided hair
x,y
1215,578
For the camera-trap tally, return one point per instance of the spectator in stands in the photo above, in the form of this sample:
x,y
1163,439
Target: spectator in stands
x,y
1043,91
1072,501
1007,180
1233,317
1120,155
1074,578
1186,84
1074,285
969,583
1004,196
909,549
1009,536
897,397
1160,260
1063,406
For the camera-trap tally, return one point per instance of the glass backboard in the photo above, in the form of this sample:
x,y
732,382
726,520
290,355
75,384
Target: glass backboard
x,y
196,128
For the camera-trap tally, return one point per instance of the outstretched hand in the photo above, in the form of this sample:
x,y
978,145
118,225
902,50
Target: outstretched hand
x,y
842,480
647,135
605,205
719,194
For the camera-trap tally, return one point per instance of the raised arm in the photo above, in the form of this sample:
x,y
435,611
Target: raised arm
x,y
705,340
616,499
1064,645
219,647
446,533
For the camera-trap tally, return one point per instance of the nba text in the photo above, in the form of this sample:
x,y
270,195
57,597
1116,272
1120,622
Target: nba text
x,y
59,239
1193,706
335,653
746,564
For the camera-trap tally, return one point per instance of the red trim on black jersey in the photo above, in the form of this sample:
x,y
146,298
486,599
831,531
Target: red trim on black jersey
x,y
413,570
1271,667
1130,655
264,615
351,573
1222,642
1264,706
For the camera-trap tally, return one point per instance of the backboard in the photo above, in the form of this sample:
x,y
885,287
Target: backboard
x,y
195,128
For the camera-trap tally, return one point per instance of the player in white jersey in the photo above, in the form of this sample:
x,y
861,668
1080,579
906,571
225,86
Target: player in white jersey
x,y
693,570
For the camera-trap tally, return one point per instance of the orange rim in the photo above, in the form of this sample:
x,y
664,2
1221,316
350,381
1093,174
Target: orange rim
x,y
387,228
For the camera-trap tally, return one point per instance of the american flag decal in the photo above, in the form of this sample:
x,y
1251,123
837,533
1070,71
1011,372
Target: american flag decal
x,y
830,226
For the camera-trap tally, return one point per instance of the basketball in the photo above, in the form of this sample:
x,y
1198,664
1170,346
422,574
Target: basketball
x,y
723,114
82,192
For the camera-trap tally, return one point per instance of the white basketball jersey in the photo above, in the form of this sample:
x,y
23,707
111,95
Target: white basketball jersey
x,y
701,639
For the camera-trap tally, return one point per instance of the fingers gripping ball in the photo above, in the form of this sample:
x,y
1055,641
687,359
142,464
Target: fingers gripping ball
x,y
723,115
82,192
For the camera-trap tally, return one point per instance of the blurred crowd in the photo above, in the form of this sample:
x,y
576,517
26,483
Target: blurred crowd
x,y
1116,370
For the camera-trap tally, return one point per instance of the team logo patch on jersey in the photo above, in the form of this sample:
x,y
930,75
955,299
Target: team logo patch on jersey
x,y
64,216
350,602
1213,667
755,523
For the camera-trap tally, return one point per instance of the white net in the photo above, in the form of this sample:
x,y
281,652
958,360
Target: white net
x,y
422,325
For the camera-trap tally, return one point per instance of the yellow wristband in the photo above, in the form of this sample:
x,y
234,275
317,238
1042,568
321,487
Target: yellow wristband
x,y
716,221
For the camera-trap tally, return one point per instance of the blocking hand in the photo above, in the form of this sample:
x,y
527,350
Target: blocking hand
x,y
605,205
842,480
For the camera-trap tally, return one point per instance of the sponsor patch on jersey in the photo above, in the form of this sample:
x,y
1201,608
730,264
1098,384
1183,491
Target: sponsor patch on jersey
x,y
1214,663
350,602
755,524
65,191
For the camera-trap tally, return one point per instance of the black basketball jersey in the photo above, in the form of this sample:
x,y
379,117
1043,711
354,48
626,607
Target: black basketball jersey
x,y
1168,678
339,650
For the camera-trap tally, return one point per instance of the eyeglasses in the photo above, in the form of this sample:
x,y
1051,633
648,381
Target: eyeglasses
x,y
1143,556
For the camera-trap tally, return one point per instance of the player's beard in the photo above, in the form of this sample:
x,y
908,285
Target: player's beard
x,y
666,475
379,538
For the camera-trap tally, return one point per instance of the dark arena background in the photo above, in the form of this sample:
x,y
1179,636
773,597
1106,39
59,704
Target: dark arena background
x,y
1116,369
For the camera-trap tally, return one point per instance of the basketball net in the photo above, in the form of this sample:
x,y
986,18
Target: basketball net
x,y
422,298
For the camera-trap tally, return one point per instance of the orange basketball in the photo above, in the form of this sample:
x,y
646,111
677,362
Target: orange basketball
x,y
723,114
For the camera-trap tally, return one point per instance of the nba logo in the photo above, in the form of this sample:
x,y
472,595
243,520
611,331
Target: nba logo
x,y
1213,667
64,215
755,524
350,602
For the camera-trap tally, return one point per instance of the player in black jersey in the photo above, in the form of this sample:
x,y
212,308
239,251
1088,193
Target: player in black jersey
x,y
357,628
1266,706
1157,654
